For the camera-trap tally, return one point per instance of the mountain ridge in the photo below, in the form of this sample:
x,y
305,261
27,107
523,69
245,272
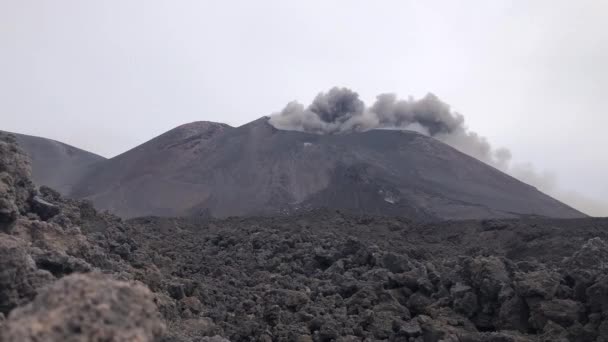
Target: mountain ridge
x,y
209,168
54,163
257,169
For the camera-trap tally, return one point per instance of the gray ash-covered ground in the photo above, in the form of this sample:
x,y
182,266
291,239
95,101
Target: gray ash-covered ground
x,y
69,273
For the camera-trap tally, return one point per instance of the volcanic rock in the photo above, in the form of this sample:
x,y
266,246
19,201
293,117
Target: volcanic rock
x,y
87,308
317,275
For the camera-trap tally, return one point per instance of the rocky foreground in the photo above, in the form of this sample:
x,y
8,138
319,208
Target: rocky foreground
x,y
69,273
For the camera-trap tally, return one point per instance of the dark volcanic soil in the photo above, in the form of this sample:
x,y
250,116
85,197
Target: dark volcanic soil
x,y
256,169
319,276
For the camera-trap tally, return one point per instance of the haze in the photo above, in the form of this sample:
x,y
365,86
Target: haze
x,y
108,75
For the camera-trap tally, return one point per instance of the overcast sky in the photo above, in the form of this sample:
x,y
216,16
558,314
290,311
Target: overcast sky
x,y
105,76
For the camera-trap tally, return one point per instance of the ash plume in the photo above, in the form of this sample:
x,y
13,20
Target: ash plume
x,y
340,110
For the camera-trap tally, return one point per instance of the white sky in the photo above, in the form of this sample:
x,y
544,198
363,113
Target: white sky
x,y
105,76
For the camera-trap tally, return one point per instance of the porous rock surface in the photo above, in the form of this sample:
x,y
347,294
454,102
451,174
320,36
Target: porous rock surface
x,y
47,290
334,277
87,308
15,182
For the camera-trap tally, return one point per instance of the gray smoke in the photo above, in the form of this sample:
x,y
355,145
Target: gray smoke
x,y
329,113
340,110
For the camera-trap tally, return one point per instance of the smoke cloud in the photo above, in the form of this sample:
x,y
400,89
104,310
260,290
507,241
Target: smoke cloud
x,y
340,110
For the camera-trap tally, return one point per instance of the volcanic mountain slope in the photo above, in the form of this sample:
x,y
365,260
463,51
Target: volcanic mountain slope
x,y
56,164
214,169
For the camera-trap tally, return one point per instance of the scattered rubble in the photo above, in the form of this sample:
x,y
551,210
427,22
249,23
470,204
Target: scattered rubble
x,y
70,273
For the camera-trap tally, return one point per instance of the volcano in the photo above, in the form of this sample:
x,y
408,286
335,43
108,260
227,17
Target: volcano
x,y
212,169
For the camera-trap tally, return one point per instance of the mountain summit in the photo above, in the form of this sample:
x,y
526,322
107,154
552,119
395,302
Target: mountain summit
x,y
206,168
